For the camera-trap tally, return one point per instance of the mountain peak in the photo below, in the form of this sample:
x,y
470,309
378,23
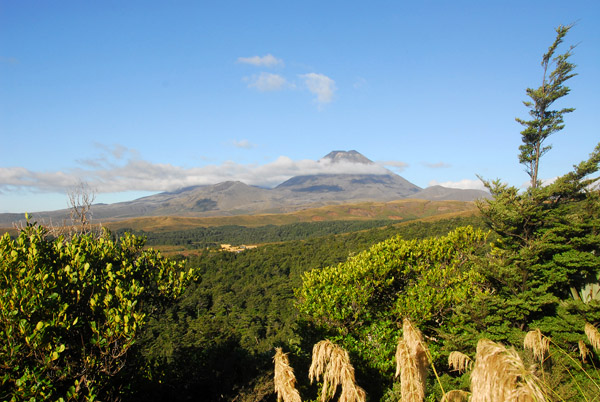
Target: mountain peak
x,y
347,156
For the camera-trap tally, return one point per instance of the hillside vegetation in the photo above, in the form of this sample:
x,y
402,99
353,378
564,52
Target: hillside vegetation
x,y
397,211
400,210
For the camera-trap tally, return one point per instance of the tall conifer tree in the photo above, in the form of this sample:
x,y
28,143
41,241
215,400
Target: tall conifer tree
x,y
548,246
545,122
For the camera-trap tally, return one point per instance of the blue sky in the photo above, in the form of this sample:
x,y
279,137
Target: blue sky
x,y
139,97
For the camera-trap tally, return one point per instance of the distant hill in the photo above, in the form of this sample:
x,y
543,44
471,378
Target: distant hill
x,y
235,198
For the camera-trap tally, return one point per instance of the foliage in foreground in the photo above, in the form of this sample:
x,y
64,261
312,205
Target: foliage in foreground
x,y
360,303
71,310
497,372
330,367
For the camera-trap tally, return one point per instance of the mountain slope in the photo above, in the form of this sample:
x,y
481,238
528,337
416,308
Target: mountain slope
x,y
342,187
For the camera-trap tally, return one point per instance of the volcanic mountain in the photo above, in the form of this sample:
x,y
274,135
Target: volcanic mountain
x,y
381,185
350,177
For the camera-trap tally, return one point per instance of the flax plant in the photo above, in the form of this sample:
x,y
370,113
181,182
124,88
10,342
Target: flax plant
x,y
455,396
459,362
333,363
411,363
500,375
538,343
285,380
583,350
593,336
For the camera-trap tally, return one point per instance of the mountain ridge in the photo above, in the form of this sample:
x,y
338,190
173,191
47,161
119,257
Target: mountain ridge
x,y
232,198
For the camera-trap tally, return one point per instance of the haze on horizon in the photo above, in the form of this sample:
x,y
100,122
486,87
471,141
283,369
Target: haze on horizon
x,y
142,97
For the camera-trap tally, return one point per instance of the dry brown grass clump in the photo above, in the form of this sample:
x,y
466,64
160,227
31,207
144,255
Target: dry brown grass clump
x,y
593,336
285,380
500,375
583,350
455,396
538,343
333,363
411,363
459,361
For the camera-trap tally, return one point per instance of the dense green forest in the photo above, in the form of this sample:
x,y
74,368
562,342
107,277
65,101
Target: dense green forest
x,y
503,306
204,237
243,306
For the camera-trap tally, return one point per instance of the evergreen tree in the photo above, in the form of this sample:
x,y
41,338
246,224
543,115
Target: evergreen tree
x,y
548,247
545,122
543,270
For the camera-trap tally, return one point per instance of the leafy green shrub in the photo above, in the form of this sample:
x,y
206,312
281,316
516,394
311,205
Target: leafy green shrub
x,y
361,303
71,310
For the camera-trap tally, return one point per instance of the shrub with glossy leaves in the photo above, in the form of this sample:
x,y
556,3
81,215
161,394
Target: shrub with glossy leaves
x,y
71,310
361,303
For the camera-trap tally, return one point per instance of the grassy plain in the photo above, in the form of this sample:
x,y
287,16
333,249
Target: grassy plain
x,y
401,210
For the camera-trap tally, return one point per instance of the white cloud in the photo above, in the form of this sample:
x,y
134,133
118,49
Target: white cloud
x,y
108,155
266,82
17,178
244,144
135,174
396,165
265,61
464,184
438,165
320,85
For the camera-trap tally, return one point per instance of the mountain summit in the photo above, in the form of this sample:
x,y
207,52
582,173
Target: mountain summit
x,y
347,156
365,183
